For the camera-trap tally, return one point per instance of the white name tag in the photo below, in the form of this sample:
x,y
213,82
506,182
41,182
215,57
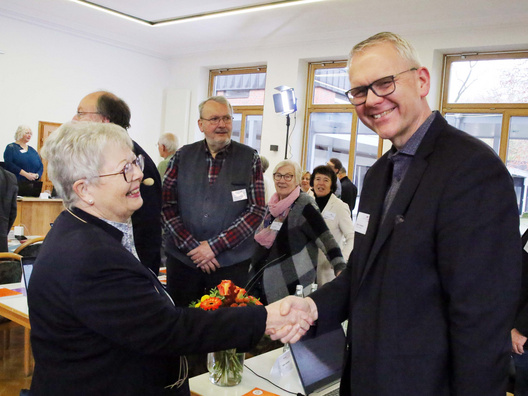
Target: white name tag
x,y
362,223
282,366
329,215
276,225
239,195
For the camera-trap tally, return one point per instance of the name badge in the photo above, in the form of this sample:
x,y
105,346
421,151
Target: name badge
x,y
362,222
282,366
329,215
239,195
276,225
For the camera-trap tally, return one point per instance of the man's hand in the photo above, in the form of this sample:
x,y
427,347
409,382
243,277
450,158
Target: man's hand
x,y
210,266
518,341
290,318
202,256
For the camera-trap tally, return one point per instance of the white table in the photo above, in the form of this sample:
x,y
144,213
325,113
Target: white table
x,y
262,365
15,308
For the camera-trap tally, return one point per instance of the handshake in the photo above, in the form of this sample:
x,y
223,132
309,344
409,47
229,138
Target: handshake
x,y
290,318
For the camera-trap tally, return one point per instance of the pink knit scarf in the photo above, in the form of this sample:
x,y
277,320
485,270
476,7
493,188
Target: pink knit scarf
x,y
279,209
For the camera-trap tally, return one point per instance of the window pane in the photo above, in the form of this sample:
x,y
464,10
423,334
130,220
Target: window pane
x,y
253,131
328,137
517,158
237,125
330,86
241,89
367,143
486,127
489,81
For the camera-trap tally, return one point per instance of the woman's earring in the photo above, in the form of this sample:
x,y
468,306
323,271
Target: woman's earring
x,y
91,202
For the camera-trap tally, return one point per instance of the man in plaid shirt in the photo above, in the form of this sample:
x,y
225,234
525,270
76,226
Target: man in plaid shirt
x,y
213,201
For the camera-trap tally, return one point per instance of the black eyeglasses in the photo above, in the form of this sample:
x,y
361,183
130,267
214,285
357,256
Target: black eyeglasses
x,y
128,170
287,177
216,120
382,87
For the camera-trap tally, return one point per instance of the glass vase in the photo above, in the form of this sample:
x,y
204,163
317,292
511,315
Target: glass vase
x,y
225,367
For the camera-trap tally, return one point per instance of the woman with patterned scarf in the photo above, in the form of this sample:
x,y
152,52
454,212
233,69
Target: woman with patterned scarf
x,y
289,238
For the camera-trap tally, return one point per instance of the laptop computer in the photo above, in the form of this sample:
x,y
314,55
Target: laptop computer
x,y
319,361
27,268
29,188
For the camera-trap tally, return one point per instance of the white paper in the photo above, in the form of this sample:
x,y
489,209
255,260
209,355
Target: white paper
x,y
276,225
282,366
329,215
362,223
239,195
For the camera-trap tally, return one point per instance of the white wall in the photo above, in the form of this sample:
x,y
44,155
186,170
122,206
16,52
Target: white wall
x,y
289,66
44,73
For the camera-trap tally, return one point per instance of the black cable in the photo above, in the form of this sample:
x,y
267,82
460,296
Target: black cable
x,y
264,378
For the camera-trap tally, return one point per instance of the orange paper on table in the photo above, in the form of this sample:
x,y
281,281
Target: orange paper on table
x,y
7,292
259,392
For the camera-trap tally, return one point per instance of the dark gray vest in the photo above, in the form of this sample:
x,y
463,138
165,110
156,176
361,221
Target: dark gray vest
x,y
207,210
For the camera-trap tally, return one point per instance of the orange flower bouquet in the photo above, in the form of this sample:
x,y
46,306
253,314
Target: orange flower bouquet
x,y
225,367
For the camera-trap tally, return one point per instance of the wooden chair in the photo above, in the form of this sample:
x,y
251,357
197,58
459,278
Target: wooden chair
x,y
10,272
31,247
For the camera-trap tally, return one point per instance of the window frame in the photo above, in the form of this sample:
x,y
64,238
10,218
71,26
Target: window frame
x,y
507,110
246,109
330,108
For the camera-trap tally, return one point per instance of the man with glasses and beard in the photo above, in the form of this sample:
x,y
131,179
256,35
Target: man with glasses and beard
x,y
213,201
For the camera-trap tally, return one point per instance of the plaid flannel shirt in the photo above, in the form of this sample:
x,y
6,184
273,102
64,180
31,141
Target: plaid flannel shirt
x,y
243,227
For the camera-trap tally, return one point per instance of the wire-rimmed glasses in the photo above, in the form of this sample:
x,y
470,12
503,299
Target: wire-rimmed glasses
x,y
128,169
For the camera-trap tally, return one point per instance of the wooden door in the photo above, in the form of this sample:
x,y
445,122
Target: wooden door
x,y
44,130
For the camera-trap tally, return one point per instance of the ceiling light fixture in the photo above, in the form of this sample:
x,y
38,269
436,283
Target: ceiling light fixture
x,y
112,12
196,17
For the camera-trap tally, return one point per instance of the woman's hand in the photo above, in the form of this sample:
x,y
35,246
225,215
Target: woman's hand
x,y
29,176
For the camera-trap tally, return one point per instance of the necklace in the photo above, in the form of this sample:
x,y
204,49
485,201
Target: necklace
x,y
74,215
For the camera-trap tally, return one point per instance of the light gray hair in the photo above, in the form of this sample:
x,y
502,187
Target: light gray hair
x,y
217,99
75,151
404,47
170,141
296,166
265,163
21,131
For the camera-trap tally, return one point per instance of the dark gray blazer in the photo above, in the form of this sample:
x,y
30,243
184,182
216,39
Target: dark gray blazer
x,y
431,293
8,205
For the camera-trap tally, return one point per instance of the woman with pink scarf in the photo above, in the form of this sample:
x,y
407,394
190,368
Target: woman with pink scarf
x,y
289,238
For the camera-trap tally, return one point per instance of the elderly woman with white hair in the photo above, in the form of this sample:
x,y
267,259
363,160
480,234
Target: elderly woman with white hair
x,y
22,159
289,239
101,322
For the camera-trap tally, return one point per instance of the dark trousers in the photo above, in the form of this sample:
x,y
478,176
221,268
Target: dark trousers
x,y
186,284
521,374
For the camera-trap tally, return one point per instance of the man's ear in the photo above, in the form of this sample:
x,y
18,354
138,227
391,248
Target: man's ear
x,y
105,120
200,125
424,81
82,189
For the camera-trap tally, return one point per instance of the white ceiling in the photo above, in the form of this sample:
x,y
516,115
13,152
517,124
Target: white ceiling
x,y
325,20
